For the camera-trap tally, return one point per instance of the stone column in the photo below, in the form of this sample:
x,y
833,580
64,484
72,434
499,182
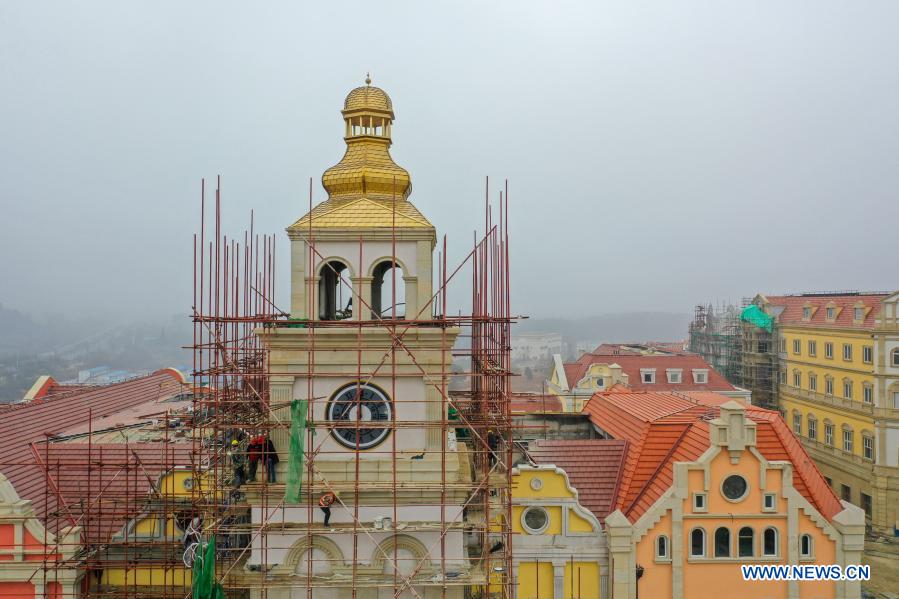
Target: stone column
x,y
280,393
362,298
558,580
851,525
298,278
412,301
621,556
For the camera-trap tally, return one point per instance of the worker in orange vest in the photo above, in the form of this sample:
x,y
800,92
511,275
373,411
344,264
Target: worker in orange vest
x,y
325,502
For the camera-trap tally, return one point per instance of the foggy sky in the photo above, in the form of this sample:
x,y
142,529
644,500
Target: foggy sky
x,y
659,154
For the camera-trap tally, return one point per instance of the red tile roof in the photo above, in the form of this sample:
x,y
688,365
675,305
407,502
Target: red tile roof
x,y
593,467
792,306
664,428
631,365
103,486
27,423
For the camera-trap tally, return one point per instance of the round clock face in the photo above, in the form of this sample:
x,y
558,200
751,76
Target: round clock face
x,y
363,405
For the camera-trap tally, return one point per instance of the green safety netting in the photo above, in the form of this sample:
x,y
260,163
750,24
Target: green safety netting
x,y
204,585
297,450
754,315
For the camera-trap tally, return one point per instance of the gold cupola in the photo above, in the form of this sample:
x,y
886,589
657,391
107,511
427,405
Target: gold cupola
x,y
367,170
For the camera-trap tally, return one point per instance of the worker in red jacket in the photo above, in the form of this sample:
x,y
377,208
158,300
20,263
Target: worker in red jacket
x,y
254,453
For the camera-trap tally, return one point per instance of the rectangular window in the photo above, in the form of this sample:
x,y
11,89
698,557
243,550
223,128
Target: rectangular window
x,y
783,346
806,312
813,348
847,389
859,314
797,379
828,386
828,434
699,502
831,313
783,376
797,346
845,493
769,502
867,504
648,376
868,447
867,354
869,394
896,400
896,358
797,424
700,377
847,352
813,429
847,441
812,382
674,376
828,350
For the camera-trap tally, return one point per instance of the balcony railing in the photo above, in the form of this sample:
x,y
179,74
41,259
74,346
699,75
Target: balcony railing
x,y
830,400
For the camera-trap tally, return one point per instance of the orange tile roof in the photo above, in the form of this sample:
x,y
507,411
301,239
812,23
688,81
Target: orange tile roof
x,y
665,428
792,306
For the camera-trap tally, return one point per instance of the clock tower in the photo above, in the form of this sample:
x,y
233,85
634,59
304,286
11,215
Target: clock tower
x,y
369,362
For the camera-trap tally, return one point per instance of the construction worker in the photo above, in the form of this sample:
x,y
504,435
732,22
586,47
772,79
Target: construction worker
x,y
270,457
325,502
239,461
254,452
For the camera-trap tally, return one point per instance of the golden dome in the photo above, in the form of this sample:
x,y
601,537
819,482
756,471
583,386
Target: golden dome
x,y
367,170
368,98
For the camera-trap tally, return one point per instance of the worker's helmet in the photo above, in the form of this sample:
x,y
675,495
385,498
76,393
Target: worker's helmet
x,y
234,442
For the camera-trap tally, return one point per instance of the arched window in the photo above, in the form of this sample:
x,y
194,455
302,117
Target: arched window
x,y
746,542
697,542
388,291
769,542
805,545
722,542
662,547
335,296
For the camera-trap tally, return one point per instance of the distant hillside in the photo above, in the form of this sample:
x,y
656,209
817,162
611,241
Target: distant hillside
x,y
610,328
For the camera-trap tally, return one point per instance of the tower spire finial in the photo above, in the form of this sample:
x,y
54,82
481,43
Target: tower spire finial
x,y
367,78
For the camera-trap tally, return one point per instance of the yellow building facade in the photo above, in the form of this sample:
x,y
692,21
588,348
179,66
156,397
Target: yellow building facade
x,y
839,392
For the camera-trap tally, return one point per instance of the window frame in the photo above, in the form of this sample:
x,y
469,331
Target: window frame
x,y
526,527
868,393
868,354
773,506
829,430
797,347
705,502
812,348
828,350
847,352
776,534
741,538
848,440
806,554
812,427
666,555
797,424
868,447
726,547
704,544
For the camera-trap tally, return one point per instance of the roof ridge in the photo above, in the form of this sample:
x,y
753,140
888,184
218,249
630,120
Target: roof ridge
x,y
659,466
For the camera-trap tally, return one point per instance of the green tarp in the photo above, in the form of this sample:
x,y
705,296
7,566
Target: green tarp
x,y
204,585
295,466
754,315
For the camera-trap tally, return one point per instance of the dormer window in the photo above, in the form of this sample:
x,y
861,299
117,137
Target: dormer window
x,y
807,313
674,375
859,314
700,376
831,313
648,376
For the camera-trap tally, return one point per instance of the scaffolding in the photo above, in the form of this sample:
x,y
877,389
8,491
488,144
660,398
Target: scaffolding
x,y
272,541
747,355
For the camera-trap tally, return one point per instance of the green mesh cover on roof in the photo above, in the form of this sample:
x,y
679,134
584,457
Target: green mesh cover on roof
x,y
754,315
203,585
297,450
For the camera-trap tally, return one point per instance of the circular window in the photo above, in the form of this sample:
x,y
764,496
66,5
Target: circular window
x,y
536,484
535,520
734,487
